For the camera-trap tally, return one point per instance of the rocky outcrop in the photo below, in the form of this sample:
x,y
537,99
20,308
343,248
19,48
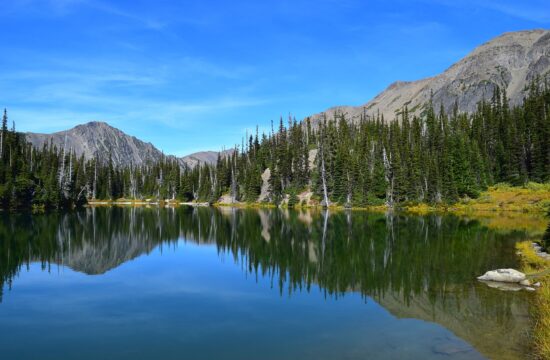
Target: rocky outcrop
x,y
264,191
510,61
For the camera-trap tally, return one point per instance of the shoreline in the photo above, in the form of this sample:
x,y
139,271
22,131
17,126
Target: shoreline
x,y
537,267
419,209
532,198
533,221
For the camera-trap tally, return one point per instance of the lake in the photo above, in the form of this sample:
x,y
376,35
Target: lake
x,y
206,283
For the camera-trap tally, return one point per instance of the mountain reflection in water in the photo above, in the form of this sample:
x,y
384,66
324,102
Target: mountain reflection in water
x,y
415,267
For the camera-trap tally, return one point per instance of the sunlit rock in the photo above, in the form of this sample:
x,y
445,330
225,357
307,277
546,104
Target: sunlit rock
x,y
503,275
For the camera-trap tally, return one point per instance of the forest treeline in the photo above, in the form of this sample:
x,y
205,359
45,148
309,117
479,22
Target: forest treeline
x,y
435,157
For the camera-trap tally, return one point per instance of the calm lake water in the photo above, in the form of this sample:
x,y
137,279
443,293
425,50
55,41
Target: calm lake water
x,y
200,283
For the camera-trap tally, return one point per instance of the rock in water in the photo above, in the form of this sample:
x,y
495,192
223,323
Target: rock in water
x,y
503,275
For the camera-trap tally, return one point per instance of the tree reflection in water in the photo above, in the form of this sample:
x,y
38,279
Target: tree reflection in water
x,y
421,267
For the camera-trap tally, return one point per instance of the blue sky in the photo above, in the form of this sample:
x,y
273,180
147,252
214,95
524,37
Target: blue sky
x,y
195,75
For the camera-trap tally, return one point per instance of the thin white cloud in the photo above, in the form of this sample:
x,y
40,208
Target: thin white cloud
x,y
198,66
147,22
61,8
43,8
183,114
537,11
174,114
531,11
62,92
48,120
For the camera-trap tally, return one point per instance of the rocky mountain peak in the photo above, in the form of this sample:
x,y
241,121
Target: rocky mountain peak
x,y
97,139
510,61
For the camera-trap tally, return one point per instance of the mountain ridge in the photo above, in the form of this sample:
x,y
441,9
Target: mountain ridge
x,y
509,61
98,139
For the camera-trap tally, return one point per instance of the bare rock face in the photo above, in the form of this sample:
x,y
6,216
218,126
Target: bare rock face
x,y
510,61
264,192
100,140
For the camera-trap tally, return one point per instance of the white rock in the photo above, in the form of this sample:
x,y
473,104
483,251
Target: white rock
x,y
537,284
503,275
525,282
528,288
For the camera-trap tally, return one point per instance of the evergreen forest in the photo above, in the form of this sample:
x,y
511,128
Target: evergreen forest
x,y
435,157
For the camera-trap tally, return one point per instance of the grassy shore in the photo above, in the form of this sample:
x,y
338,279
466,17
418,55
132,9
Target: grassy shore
x,y
531,198
538,269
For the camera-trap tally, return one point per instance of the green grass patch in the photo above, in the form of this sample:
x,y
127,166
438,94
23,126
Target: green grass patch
x,y
532,264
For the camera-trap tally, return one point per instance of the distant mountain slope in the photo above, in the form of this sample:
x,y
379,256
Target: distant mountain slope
x,y
99,139
509,61
205,157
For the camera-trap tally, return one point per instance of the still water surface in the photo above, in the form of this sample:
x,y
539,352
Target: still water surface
x,y
199,283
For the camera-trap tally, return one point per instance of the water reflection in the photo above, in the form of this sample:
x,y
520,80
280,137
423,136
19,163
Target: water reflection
x,y
417,267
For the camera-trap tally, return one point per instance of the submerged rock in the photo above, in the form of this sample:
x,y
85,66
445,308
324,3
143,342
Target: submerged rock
x,y
503,275
451,348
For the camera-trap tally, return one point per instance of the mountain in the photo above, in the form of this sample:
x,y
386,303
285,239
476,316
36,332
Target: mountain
x,y
510,61
207,157
99,139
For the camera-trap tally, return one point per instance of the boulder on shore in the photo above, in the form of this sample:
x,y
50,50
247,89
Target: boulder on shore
x,y
503,275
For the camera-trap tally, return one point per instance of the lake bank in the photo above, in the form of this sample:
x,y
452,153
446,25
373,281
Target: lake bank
x,y
537,268
530,198
501,207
